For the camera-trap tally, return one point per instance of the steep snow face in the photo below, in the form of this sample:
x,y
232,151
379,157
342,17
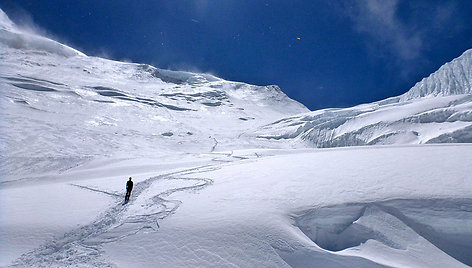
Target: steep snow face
x,y
5,22
61,104
436,110
12,36
453,78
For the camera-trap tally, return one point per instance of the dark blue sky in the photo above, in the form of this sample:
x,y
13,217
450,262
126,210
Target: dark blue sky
x,y
348,52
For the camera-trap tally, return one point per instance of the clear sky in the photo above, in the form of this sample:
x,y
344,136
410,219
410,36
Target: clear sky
x,y
321,53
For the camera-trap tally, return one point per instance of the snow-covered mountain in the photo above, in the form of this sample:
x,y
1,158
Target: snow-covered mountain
x,y
59,103
438,109
453,78
208,192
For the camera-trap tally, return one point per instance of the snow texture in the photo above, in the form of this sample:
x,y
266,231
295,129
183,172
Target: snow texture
x,y
453,78
437,109
216,183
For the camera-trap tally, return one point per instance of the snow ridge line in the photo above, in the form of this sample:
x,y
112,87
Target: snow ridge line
x,y
77,248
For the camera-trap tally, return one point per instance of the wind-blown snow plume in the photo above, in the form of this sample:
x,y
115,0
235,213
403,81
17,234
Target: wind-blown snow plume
x,y
14,37
82,107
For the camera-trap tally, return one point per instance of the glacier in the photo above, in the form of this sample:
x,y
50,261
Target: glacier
x,y
437,109
226,174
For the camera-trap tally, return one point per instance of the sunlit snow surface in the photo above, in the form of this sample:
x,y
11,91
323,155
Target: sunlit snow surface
x,y
211,187
438,109
356,207
72,109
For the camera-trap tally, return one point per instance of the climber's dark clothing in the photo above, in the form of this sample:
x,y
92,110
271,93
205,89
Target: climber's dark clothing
x,y
129,188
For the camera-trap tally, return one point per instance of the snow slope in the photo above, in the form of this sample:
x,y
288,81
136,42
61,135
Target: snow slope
x,y
208,193
12,36
453,78
436,110
59,104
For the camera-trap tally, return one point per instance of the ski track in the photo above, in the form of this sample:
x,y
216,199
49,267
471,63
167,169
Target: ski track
x,y
115,194
82,247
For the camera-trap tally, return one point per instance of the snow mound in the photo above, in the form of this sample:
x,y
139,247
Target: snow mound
x,y
178,77
390,227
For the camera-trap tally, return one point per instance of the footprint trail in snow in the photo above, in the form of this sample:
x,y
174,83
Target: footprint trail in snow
x,y
82,247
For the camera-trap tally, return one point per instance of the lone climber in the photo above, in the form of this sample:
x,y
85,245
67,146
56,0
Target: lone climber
x,y
129,188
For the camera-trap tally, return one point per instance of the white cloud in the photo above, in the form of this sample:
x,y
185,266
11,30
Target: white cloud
x,y
378,19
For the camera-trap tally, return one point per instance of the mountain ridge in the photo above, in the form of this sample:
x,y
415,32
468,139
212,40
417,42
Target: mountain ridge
x,y
62,104
438,109
452,78
70,107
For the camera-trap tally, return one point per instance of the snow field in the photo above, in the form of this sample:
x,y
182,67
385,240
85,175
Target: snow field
x,y
258,204
254,208
32,215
